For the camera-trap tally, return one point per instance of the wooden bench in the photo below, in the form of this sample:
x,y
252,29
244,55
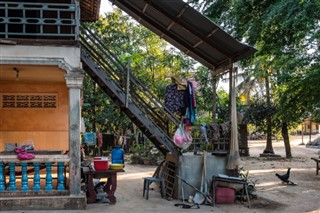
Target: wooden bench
x,y
317,160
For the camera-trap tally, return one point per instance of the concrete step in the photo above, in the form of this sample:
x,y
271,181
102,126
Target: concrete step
x,y
65,202
40,193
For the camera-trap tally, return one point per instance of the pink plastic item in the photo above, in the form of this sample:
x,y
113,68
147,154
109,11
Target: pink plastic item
x,y
224,195
25,156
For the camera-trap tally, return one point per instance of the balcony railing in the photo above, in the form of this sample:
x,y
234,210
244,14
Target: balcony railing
x,y
25,20
44,173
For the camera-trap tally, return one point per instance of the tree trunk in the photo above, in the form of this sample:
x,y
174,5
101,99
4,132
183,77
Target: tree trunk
x,y
285,136
302,132
310,130
269,148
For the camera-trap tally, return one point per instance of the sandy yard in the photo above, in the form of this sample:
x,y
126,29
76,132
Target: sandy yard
x,y
272,196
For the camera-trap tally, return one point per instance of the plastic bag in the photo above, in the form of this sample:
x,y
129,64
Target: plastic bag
x,y
27,145
181,138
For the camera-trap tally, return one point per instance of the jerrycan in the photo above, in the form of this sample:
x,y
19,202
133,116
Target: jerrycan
x,y
117,155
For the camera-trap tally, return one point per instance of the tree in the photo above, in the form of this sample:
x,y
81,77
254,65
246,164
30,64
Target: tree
x,y
286,33
152,61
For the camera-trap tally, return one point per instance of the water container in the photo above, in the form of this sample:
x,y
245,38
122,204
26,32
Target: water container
x,y
117,155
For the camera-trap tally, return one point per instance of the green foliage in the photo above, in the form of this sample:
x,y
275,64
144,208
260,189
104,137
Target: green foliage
x,y
145,151
286,34
256,114
204,98
152,61
99,112
204,92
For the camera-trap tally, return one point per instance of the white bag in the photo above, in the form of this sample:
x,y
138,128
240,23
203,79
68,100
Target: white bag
x,y
181,138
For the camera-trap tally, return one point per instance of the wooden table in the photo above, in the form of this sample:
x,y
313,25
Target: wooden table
x,y
110,187
317,160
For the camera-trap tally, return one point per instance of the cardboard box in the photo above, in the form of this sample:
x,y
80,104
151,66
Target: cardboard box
x,y
100,163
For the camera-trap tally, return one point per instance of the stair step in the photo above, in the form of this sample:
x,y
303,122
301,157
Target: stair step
x,y
42,193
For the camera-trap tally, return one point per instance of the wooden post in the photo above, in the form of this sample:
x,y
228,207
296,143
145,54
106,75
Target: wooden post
x,y
230,90
214,95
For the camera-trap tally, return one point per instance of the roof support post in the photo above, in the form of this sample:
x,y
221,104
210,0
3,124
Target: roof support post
x,y
214,94
233,156
230,87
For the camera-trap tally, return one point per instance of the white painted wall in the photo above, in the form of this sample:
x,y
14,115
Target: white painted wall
x,y
70,54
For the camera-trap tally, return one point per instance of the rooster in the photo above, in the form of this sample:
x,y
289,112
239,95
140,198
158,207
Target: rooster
x,y
285,178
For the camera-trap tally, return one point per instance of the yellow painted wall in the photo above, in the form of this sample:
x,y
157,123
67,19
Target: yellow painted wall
x,y
47,128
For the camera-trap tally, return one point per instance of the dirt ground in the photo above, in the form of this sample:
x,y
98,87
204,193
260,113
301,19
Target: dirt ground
x,y
272,195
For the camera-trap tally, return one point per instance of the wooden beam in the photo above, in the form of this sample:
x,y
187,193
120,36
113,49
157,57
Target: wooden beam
x,y
160,28
190,29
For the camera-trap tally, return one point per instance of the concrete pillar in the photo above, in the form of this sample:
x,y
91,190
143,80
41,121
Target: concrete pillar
x,y
74,83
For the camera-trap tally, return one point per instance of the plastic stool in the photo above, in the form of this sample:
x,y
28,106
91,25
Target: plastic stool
x,y
147,182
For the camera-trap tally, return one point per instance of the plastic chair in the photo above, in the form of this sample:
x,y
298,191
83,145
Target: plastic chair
x,y
146,186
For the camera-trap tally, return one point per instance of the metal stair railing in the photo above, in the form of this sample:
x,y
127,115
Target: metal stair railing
x,y
137,101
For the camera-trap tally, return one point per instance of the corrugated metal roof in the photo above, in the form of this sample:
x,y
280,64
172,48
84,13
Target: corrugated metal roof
x,y
188,30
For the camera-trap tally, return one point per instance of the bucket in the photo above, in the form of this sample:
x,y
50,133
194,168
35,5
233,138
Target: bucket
x,y
117,155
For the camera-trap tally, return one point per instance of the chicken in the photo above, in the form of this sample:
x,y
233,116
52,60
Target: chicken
x,y
285,178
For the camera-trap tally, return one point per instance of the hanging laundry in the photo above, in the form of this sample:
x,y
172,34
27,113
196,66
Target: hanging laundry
x,y
194,103
89,138
173,99
120,140
82,125
203,130
100,141
190,103
180,98
108,141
